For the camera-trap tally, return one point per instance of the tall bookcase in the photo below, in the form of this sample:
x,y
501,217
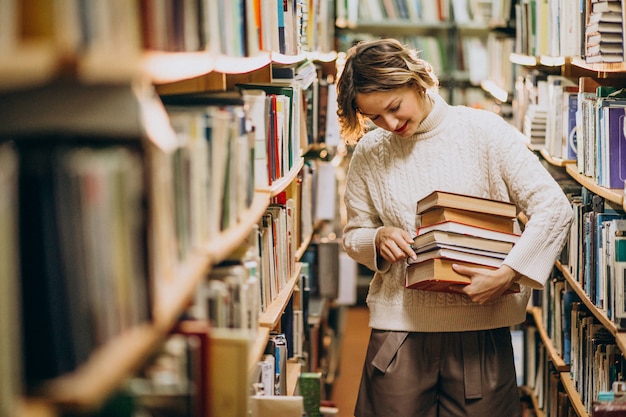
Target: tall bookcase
x,y
77,79
574,330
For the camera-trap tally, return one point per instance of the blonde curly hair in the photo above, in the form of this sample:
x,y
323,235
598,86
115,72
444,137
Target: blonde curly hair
x,y
375,66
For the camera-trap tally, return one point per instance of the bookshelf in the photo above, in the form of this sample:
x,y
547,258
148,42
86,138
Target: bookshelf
x,y
547,56
114,90
570,172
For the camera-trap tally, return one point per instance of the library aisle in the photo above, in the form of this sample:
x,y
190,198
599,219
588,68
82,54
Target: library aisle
x,y
353,347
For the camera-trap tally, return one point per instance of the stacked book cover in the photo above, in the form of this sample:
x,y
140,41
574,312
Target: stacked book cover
x,y
604,32
459,229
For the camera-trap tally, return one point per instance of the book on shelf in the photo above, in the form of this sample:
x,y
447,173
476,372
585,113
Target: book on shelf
x,y
276,405
195,338
10,333
229,372
277,348
616,247
534,126
436,274
609,38
213,165
606,6
175,380
258,115
604,27
611,143
283,125
83,207
440,198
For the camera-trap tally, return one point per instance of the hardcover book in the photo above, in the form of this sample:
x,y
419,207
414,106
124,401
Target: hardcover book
x,y
439,237
461,201
468,229
437,275
475,257
489,221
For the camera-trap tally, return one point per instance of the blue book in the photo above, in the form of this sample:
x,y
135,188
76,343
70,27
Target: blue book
x,y
569,297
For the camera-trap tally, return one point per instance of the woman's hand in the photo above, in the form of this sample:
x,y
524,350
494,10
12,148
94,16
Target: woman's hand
x,y
487,284
394,244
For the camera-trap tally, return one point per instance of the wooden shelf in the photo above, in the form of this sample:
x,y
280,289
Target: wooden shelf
x,y
555,357
173,293
531,393
163,67
620,336
280,184
294,368
90,384
271,317
303,247
559,162
258,346
603,70
227,241
615,195
573,395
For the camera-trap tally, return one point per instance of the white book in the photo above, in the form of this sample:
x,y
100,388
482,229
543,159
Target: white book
x,y
467,229
9,34
456,255
256,111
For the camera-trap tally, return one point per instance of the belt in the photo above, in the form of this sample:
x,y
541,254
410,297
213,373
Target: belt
x,y
472,375
388,350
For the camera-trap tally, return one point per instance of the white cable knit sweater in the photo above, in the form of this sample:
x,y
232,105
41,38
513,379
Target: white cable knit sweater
x,y
462,150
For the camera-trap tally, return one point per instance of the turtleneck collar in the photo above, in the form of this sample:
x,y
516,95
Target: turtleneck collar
x,y
433,122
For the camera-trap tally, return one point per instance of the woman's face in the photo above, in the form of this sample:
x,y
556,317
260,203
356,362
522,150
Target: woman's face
x,y
399,111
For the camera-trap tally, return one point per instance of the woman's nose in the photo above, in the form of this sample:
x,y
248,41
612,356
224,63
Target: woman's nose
x,y
390,121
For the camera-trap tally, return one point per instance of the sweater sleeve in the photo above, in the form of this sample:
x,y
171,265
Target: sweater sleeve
x,y
359,233
540,198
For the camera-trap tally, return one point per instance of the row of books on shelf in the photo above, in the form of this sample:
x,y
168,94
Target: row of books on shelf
x,y
591,30
207,365
501,70
194,374
232,28
587,351
587,126
102,198
461,11
596,257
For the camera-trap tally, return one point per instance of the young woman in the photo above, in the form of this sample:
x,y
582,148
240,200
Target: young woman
x,y
434,354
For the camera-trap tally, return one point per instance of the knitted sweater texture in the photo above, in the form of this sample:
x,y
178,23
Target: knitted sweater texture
x,y
461,150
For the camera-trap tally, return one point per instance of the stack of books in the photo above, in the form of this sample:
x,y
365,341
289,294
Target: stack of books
x,y
604,32
535,124
459,229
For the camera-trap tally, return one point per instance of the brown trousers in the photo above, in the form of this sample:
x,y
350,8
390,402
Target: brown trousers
x,y
458,374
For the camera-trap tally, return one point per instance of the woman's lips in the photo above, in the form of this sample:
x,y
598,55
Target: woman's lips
x,y
402,129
